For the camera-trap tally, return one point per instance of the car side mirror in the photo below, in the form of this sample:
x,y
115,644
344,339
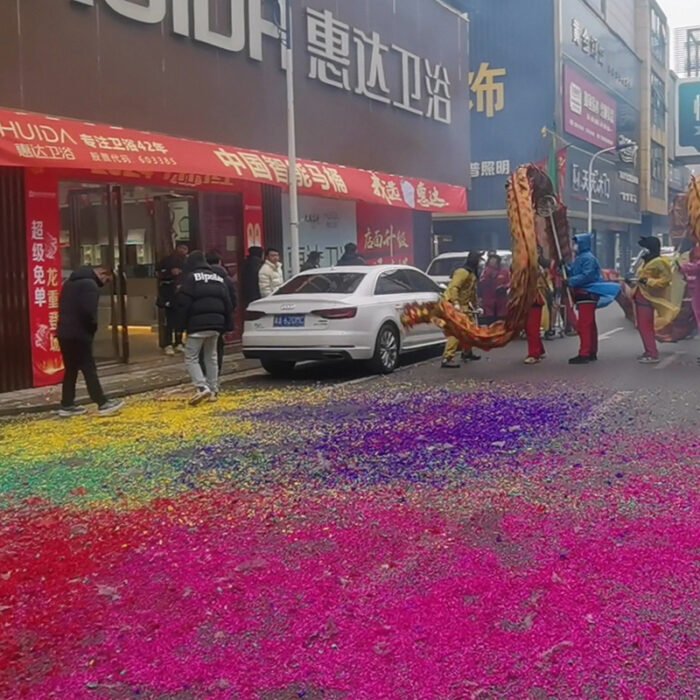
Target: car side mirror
x,y
442,286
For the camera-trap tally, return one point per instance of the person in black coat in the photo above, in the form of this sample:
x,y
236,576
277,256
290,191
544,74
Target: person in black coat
x,y
205,311
250,284
77,325
214,261
351,257
169,271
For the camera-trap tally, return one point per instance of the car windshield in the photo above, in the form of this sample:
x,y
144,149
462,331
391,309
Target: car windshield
x,y
444,267
323,283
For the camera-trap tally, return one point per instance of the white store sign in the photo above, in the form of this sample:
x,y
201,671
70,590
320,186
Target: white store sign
x,y
325,225
338,55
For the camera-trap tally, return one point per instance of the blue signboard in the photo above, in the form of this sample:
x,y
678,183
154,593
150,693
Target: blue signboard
x,y
511,81
688,118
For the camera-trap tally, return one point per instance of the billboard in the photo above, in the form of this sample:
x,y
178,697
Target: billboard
x,y
511,86
688,116
590,112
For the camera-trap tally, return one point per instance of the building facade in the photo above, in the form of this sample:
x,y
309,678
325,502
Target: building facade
x,y
565,84
686,51
163,121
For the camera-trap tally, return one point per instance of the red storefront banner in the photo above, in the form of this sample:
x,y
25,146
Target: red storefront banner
x,y
384,237
33,140
44,274
252,216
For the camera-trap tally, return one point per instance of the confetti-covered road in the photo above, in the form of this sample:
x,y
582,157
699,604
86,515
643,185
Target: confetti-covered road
x,y
398,539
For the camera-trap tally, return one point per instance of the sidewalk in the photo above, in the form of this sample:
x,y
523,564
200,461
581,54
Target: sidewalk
x,y
122,380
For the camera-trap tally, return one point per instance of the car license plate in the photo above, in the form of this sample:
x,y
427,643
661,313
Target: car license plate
x,y
288,321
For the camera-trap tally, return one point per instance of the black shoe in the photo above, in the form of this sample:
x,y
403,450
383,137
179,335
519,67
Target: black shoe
x,y
450,364
71,411
578,360
470,357
594,357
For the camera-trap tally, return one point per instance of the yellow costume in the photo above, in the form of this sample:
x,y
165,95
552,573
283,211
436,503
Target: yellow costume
x,y
664,290
461,292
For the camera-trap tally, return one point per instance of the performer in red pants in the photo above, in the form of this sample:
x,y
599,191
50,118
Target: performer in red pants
x,y
590,292
533,327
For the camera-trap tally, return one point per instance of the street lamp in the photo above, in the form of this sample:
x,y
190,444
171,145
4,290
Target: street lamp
x,y
625,146
285,31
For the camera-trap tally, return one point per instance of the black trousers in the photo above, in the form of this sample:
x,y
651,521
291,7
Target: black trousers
x,y
77,357
168,334
219,354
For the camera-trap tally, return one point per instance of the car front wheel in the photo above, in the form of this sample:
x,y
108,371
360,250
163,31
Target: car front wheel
x,y
278,368
386,350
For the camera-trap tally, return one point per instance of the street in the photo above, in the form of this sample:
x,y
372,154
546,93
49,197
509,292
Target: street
x,y
497,531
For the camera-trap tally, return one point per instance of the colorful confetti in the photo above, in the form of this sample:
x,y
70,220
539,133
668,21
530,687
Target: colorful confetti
x,y
384,541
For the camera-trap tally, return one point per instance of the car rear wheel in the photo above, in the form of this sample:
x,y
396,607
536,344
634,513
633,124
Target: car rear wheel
x,y
386,350
278,368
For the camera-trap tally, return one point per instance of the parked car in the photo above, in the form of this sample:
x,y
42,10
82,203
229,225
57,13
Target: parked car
x,y
350,313
443,266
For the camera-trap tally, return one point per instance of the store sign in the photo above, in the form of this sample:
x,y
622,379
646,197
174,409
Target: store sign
x,y
688,109
197,25
325,226
338,55
35,140
588,41
384,236
44,275
506,121
614,187
590,113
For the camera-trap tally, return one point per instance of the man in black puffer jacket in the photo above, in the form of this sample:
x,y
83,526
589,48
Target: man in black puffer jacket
x,y
77,325
205,311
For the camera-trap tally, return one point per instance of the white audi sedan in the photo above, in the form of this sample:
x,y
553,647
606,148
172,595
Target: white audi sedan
x,y
351,313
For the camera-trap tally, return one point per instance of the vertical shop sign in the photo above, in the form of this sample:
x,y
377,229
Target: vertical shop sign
x,y
253,215
385,235
43,275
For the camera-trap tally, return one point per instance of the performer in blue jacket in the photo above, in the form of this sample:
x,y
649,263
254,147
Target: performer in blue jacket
x,y
590,293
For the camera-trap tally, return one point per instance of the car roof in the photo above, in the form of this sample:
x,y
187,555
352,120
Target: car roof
x,y
463,254
364,269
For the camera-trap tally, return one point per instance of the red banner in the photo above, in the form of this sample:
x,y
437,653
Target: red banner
x,y
384,236
33,140
253,216
44,274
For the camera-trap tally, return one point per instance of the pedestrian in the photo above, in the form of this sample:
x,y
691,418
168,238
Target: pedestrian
x,y
590,292
313,261
461,293
533,327
77,325
493,286
214,261
691,270
270,276
351,256
653,306
169,271
205,311
250,284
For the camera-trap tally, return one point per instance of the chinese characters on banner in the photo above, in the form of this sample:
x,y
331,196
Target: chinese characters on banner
x,y
346,58
32,140
43,275
384,236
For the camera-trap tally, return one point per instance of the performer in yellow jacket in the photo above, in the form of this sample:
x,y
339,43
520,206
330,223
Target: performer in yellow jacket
x,y
655,303
462,293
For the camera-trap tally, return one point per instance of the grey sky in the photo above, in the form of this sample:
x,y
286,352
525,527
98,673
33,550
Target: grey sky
x,y
681,13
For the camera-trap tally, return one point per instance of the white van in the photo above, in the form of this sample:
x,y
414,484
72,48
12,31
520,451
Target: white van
x,y
443,266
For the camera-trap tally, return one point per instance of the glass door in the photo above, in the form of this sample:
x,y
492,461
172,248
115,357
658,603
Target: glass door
x,y
90,236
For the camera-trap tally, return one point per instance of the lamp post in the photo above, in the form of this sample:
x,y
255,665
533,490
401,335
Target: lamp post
x,y
627,146
285,30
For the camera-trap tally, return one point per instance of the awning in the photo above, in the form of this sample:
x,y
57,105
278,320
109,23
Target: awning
x,y
34,140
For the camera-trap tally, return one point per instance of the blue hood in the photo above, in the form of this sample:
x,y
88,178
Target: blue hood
x,y
585,242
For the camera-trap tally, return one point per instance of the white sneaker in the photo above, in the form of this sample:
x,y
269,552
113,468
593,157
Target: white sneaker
x,y
531,360
110,408
649,360
201,394
170,351
214,397
71,411
180,348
